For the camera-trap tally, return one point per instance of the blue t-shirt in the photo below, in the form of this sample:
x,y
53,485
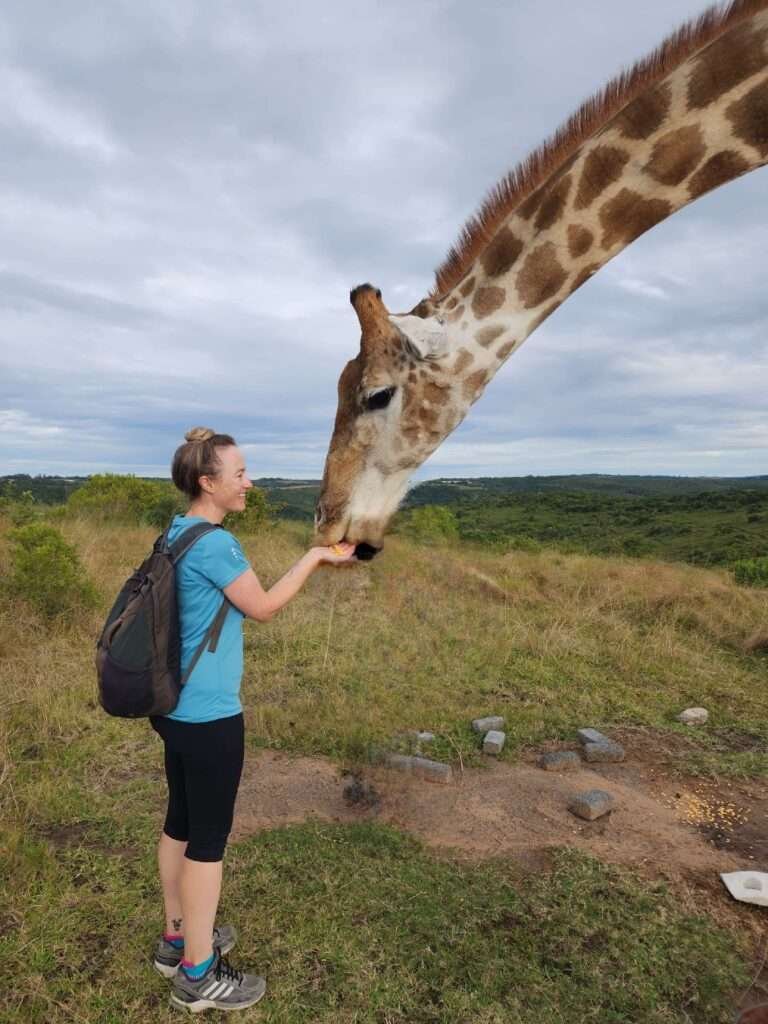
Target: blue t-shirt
x,y
212,563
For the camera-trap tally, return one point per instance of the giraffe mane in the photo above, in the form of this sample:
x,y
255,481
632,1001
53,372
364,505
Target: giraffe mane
x,y
507,194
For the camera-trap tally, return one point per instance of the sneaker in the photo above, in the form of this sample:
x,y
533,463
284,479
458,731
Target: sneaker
x,y
168,958
220,988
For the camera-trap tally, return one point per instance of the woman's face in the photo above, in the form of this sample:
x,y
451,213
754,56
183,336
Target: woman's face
x,y
229,486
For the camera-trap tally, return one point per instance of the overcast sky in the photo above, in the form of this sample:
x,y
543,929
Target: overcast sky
x,y
189,190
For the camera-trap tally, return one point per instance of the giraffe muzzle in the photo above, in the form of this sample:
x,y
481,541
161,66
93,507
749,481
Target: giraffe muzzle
x,y
365,552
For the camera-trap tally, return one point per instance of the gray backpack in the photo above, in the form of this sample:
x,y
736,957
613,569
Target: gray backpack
x,y
139,650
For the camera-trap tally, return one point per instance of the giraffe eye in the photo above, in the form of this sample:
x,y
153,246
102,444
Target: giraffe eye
x,y
378,399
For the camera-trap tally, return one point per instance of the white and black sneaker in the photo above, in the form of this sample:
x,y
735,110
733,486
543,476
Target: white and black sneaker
x,y
167,957
220,988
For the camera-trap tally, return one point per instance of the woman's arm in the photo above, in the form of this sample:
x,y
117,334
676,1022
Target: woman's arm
x,y
247,594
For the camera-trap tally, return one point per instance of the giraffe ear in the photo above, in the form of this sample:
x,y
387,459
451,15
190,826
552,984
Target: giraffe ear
x,y
427,337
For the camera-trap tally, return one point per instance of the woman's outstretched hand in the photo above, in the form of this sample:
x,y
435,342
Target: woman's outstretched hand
x,y
336,554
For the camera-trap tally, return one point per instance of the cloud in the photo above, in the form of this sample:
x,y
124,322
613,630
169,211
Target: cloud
x,y
190,191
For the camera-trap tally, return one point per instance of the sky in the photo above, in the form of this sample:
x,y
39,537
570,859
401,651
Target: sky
x,y
189,190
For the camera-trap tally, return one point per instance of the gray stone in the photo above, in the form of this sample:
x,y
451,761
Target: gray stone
x,y
432,771
559,761
606,752
494,742
592,736
488,724
425,737
693,716
592,804
359,793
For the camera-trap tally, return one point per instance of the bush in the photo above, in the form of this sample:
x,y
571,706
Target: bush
x,y
257,515
431,524
751,572
20,508
46,572
127,500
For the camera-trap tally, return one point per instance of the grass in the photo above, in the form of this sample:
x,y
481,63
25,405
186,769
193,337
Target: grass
x,y
358,924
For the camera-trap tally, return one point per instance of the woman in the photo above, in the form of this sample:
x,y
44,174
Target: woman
x,y
203,735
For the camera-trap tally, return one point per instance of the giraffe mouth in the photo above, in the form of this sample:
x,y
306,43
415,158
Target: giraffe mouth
x,y
365,552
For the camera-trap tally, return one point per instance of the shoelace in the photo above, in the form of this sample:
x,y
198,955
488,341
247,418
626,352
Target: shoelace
x,y
224,969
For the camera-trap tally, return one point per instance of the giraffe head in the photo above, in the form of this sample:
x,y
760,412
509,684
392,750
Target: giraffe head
x,y
398,398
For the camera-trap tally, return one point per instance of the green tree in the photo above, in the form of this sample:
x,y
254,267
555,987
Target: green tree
x,y
258,513
751,572
430,524
126,499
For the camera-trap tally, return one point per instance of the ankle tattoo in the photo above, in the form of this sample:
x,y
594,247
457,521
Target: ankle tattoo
x,y
176,922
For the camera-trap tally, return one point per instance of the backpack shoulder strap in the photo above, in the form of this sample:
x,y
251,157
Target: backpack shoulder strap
x,y
182,544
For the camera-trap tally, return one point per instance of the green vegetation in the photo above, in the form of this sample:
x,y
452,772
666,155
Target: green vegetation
x,y
113,498
429,524
752,572
46,572
359,924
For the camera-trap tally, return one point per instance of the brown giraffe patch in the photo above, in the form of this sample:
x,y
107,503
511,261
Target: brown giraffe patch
x,y
487,300
584,275
527,209
422,309
676,155
749,117
455,315
473,383
553,204
487,335
501,254
463,360
645,115
506,348
452,303
468,287
722,167
541,276
579,239
625,217
732,59
601,168
435,394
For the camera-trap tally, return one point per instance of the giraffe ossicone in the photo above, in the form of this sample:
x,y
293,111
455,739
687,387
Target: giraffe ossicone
x,y
687,119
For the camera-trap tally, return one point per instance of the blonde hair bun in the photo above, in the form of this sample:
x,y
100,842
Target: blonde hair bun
x,y
199,434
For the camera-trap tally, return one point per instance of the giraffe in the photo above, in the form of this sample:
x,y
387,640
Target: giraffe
x,y
688,118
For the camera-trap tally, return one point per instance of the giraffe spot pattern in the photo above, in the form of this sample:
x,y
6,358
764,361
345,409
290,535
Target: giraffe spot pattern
x,y
749,117
487,335
730,60
506,348
645,115
501,254
527,209
463,360
541,276
473,383
625,217
487,300
602,167
721,167
455,315
553,204
452,303
580,240
676,154
468,287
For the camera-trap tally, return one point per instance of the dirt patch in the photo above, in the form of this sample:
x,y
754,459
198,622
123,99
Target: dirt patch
x,y
82,833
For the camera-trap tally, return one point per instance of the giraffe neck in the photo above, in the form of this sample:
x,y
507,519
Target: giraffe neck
x,y
700,126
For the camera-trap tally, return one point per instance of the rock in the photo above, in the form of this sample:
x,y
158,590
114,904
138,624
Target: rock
x,y
494,742
606,752
559,761
425,737
432,771
488,724
592,736
592,804
693,716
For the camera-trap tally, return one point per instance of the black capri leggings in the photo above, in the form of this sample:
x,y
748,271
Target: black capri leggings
x,y
203,764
